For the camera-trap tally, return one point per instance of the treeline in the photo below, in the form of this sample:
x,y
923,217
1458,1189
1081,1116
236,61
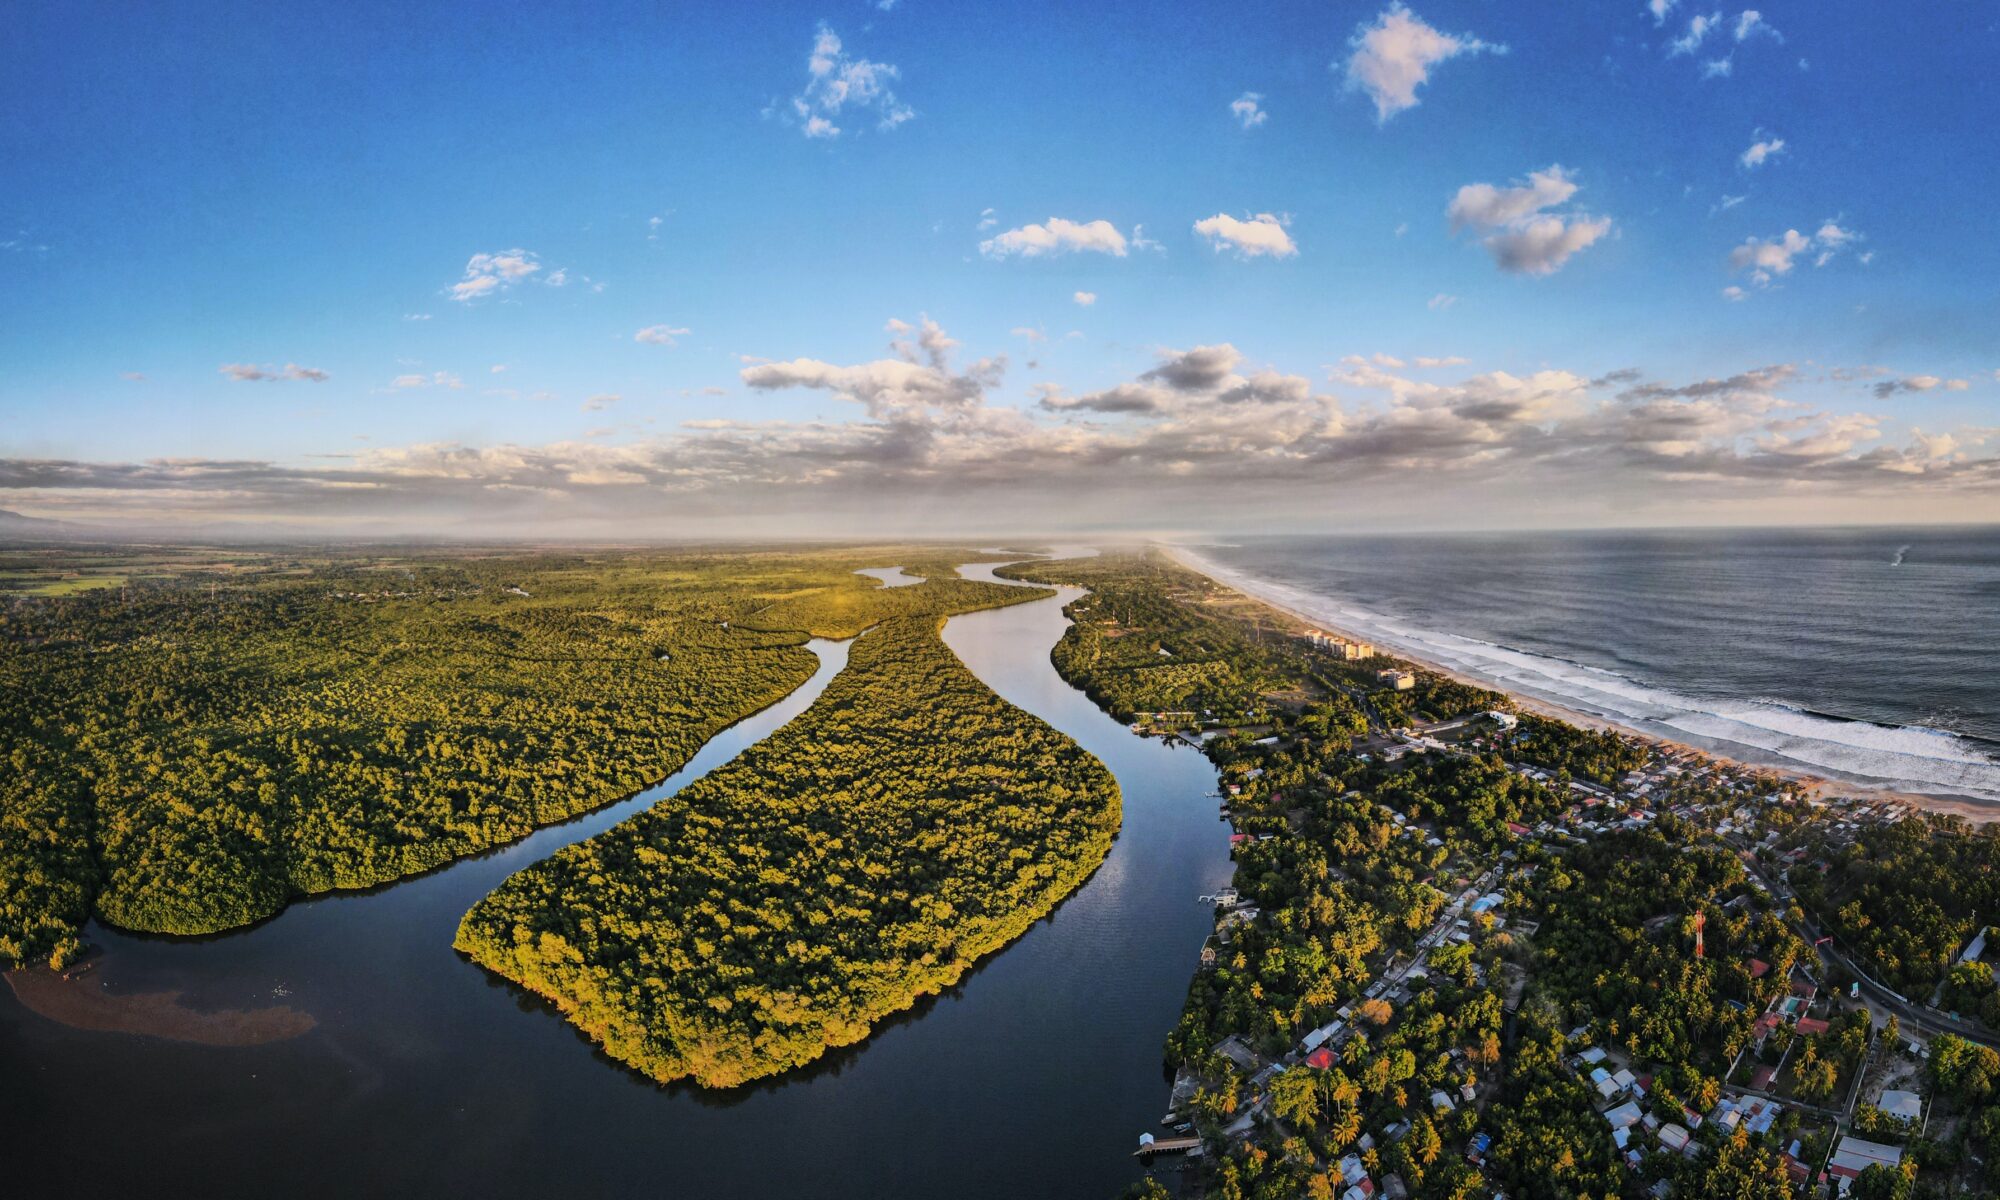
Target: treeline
x,y
188,755
861,857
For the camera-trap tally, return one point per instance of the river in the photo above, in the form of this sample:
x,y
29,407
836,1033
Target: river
x,y
423,1073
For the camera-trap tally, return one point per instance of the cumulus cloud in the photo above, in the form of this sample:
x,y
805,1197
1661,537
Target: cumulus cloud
x,y
488,274
1084,299
1248,109
1659,9
837,83
1059,236
1918,383
1393,56
1761,150
290,372
1515,224
659,335
1765,259
1262,236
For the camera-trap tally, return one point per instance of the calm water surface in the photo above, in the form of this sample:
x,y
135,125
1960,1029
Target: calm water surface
x,y
1032,1078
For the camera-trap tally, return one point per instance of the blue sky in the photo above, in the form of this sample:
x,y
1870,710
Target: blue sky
x,y
198,196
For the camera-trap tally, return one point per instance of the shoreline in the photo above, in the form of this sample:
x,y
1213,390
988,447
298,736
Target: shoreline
x,y
1823,787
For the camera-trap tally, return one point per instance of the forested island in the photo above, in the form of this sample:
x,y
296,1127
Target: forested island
x,y
864,856
193,738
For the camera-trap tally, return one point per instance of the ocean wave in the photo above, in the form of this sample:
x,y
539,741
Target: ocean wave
x,y
1911,758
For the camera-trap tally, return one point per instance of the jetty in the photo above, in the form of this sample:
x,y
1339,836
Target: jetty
x,y
1150,1145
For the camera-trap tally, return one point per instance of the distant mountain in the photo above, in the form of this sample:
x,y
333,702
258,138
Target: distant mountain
x,y
17,525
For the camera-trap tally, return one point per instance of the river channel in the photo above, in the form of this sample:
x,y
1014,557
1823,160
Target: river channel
x,y
423,1074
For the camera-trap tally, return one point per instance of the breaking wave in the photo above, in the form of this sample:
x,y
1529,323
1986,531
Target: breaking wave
x,y
1908,758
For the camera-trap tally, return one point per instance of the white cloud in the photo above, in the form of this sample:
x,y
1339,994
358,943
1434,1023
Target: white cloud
x,y
1659,9
1429,362
1732,292
488,274
1918,383
132,376
416,316
1697,32
290,372
1248,109
1767,258
601,401
1262,236
1761,150
1750,22
1718,68
1394,55
659,335
1059,236
1515,226
987,220
1441,301
438,379
837,82
1086,299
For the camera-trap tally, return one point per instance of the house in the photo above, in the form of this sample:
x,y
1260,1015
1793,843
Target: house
x,y
1855,1155
1673,1137
1401,681
1321,1059
1758,968
1812,1025
1906,1106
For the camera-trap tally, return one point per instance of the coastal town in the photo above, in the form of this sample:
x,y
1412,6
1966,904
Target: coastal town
x,y
1442,1039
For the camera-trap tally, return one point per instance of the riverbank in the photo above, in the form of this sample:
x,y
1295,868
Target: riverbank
x,y
1825,787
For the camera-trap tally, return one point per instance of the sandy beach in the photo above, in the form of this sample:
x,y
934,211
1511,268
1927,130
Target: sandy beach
x,y
1973,810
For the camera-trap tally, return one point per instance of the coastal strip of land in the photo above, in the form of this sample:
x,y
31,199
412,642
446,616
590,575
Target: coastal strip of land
x,y
1975,811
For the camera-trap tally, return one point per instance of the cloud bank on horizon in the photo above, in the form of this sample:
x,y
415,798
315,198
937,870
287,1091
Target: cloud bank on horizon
x,y
1487,268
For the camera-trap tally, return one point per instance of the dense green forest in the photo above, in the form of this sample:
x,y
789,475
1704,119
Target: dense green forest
x,y
1908,896
221,732
861,857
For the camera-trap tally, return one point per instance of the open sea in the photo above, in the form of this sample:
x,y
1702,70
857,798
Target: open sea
x,y
1870,655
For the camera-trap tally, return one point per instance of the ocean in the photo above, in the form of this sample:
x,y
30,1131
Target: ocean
x,y
1869,655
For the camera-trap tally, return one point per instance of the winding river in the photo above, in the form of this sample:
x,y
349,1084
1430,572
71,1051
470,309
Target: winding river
x,y
421,1073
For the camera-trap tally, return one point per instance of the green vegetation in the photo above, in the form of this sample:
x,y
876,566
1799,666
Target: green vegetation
x,y
188,752
1906,895
863,856
1598,755
1358,863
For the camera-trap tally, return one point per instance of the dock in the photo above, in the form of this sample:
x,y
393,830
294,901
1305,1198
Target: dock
x,y
1172,1145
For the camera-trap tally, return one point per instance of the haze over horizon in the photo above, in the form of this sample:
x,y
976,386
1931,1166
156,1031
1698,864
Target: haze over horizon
x,y
897,267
